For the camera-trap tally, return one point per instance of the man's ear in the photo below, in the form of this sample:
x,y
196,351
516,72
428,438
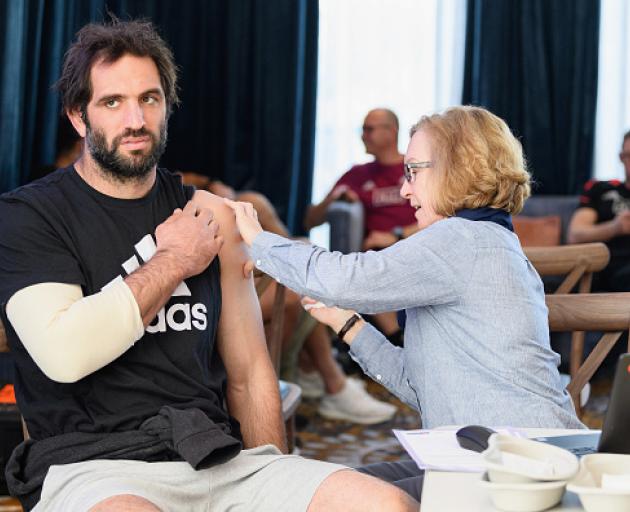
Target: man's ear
x,y
77,119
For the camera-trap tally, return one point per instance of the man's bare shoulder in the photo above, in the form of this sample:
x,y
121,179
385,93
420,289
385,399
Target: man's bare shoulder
x,y
233,251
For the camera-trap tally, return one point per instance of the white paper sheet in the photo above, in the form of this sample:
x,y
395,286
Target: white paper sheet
x,y
438,449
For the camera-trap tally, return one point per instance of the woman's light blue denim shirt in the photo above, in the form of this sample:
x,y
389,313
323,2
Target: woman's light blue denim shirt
x,y
476,339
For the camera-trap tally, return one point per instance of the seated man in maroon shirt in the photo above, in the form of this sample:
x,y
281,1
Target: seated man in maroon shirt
x,y
388,217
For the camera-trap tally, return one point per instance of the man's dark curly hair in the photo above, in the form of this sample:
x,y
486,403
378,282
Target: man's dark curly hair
x,y
109,42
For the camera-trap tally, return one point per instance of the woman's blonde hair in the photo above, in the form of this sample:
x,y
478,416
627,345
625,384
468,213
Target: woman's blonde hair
x,y
477,161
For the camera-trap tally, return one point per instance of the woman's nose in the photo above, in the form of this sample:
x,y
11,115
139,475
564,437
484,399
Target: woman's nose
x,y
405,190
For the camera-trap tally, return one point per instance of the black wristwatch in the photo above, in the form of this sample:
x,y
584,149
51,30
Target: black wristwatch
x,y
398,232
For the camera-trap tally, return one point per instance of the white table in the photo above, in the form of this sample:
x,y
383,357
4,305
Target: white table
x,y
457,492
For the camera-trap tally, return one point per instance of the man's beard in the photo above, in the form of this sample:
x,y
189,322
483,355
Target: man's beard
x,y
121,167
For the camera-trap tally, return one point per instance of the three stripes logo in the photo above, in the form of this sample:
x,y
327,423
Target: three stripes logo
x,y
178,316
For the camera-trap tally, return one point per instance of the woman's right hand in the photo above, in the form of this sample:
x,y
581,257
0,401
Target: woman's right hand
x,y
333,317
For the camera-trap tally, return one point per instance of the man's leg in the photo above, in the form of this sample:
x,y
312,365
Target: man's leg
x,y
350,491
127,502
267,215
404,474
345,399
292,312
319,351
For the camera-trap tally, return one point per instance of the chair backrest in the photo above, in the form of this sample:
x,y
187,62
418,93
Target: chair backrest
x,y
604,312
576,262
274,340
589,312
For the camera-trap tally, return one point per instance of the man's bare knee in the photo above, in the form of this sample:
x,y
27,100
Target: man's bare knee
x,y
127,502
351,491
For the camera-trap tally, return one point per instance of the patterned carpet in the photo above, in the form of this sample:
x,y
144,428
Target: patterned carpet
x,y
354,445
349,443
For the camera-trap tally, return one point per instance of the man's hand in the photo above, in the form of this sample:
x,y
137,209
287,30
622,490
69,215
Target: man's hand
x,y
316,213
622,223
186,244
246,220
190,237
341,193
379,240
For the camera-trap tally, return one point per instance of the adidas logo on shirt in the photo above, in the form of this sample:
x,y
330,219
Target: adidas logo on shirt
x,y
179,316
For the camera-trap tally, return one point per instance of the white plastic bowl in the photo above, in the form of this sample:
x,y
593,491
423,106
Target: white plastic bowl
x,y
565,464
524,497
588,483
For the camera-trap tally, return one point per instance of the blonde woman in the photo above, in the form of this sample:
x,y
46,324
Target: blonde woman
x,y
476,339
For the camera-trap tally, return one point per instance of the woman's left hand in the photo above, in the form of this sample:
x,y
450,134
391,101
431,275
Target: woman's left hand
x,y
246,220
333,317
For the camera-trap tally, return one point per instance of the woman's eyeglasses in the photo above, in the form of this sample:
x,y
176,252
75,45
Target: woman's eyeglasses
x,y
411,168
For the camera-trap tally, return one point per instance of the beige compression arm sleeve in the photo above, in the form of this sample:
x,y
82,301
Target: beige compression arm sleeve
x,y
70,336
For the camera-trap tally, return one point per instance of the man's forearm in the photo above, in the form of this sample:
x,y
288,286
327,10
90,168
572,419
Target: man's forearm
x,y
153,283
595,233
316,214
258,409
409,230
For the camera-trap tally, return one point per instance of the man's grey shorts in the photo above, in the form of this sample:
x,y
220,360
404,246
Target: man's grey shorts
x,y
260,479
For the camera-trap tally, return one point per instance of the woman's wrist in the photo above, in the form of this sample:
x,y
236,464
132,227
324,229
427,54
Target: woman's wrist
x,y
353,331
350,328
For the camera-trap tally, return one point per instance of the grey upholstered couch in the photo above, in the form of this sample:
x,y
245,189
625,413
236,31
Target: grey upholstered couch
x,y
563,206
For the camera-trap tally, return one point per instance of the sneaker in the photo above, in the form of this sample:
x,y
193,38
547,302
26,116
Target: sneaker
x,y
311,383
353,403
584,394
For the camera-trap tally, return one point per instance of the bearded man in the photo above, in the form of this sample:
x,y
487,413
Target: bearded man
x,y
141,370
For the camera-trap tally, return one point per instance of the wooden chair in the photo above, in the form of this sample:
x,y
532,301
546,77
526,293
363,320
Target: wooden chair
x,y
603,312
577,263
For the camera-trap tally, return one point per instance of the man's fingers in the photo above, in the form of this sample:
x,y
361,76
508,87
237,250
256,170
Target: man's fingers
x,y
213,227
352,196
190,208
205,215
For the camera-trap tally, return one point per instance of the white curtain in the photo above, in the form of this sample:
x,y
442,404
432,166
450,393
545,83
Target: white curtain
x,y
406,55
613,88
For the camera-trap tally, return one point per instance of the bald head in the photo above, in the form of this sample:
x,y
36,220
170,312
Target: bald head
x,y
380,132
384,115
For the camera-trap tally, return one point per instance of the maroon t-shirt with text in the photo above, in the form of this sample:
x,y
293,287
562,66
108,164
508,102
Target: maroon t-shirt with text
x,y
378,187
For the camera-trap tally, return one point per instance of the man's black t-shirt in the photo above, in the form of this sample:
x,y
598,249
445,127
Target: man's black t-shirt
x,y
608,199
59,229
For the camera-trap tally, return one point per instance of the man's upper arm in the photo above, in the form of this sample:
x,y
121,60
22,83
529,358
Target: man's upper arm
x,y
32,251
241,336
